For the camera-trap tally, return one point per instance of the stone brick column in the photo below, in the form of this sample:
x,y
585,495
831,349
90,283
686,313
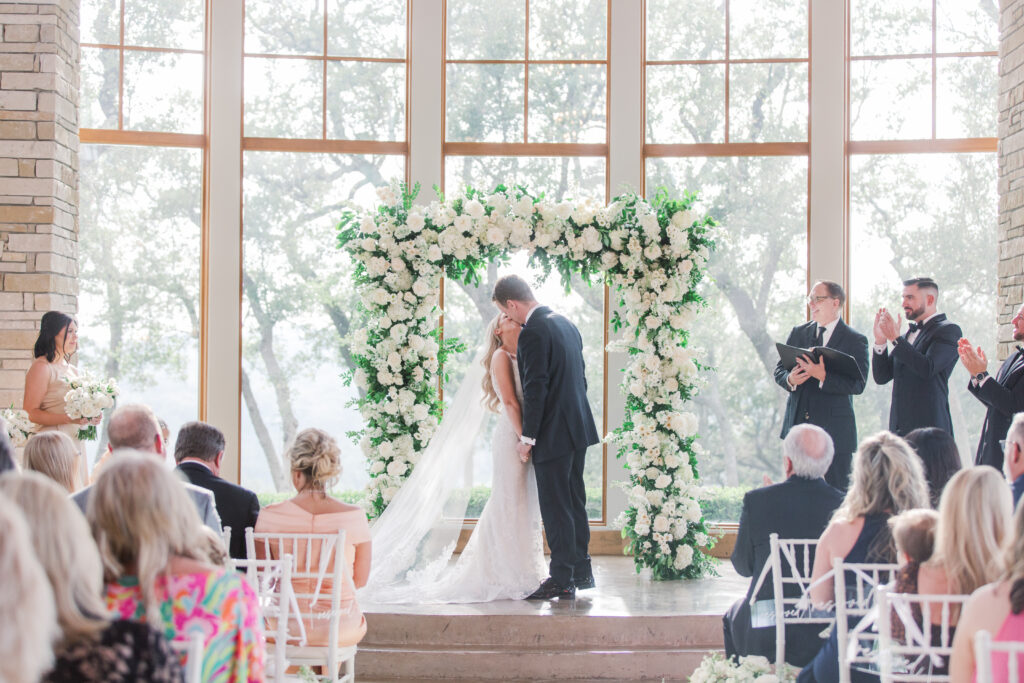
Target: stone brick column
x,y
1011,168
39,72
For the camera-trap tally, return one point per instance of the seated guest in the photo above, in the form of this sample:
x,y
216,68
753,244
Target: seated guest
x,y
799,507
28,619
93,647
315,465
939,455
7,461
199,451
134,427
1014,457
55,455
997,608
887,479
974,521
154,555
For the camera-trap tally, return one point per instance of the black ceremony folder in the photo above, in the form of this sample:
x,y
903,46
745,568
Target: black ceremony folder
x,y
835,361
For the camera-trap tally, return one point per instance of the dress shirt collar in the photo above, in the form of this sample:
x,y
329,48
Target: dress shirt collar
x,y
529,313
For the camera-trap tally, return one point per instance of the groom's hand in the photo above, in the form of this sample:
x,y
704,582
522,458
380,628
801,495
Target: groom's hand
x,y
524,450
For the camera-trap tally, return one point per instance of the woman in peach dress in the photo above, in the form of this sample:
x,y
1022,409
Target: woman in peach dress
x,y
44,382
316,464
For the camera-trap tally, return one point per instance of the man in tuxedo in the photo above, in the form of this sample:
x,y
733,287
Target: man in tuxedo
x,y
1003,394
920,362
558,427
799,507
199,451
825,398
133,427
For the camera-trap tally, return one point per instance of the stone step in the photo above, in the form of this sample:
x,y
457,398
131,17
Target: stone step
x,y
543,632
531,664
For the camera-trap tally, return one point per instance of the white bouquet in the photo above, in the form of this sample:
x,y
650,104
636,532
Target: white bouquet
x,y
19,427
715,667
88,397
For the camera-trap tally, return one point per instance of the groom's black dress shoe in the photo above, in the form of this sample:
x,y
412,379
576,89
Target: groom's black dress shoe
x,y
551,589
583,583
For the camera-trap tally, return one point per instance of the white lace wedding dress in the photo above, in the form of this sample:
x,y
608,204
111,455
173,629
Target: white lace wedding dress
x,y
504,558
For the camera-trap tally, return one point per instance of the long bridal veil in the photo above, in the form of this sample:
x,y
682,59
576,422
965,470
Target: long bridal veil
x,y
415,538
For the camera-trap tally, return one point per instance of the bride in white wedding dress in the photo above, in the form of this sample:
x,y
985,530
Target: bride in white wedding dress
x,y
414,539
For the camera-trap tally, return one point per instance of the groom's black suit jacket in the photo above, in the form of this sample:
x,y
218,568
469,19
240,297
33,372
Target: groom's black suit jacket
x,y
555,408
920,376
829,406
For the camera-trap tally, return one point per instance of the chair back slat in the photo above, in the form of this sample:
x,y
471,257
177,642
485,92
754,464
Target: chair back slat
x,y
916,656
272,581
855,589
992,655
192,650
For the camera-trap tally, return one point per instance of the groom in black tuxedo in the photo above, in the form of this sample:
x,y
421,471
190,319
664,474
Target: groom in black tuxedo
x,y
825,398
558,426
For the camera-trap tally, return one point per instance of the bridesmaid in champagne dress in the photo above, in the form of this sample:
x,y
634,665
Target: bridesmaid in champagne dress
x,y
44,382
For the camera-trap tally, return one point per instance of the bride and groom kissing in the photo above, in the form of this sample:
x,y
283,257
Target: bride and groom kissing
x,y
532,373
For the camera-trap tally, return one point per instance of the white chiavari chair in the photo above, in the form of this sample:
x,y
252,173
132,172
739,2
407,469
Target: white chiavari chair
x,y
922,650
193,649
1010,654
272,580
855,588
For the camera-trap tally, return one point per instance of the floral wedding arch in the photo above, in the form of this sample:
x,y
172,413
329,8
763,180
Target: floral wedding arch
x,y
652,256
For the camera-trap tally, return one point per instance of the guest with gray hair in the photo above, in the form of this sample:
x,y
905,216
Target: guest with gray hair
x,y
799,507
1013,462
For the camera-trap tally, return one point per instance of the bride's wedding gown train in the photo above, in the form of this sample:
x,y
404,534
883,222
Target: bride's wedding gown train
x,y
504,558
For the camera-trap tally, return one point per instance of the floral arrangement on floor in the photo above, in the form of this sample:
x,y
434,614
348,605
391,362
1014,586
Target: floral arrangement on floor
x,y
19,427
88,397
716,667
651,254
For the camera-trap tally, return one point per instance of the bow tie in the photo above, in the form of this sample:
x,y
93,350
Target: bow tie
x,y
914,327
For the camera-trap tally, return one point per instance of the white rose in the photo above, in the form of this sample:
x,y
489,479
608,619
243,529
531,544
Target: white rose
x,y
523,207
661,524
416,221
641,529
652,473
652,252
662,481
592,239
368,244
420,288
495,235
563,210
683,219
474,208
684,557
654,497
416,342
377,467
420,411
397,468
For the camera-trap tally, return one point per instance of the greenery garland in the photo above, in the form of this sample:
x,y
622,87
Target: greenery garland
x,y
652,256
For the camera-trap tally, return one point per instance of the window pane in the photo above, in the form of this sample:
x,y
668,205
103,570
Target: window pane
x,y
767,28
686,103
557,177
366,28
157,23
468,310
100,85
101,21
755,295
286,28
967,26
283,97
365,101
574,29
768,102
163,91
485,102
139,257
567,102
890,27
965,91
480,29
890,99
685,29
297,305
932,214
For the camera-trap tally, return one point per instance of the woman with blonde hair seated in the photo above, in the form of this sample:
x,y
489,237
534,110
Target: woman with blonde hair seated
x,y
28,620
315,465
92,646
887,479
997,608
157,570
55,455
975,514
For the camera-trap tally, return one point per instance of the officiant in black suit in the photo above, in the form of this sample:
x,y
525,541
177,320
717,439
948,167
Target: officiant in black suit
x,y
920,362
558,427
817,396
1002,394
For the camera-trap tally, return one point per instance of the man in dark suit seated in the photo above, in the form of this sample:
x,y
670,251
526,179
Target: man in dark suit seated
x,y
1002,394
825,398
1015,457
799,507
920,362
199,451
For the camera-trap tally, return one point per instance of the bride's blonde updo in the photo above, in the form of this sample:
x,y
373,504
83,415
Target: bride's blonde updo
x,y
315,454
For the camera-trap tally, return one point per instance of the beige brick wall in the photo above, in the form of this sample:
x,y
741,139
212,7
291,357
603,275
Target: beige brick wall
x,y
39,59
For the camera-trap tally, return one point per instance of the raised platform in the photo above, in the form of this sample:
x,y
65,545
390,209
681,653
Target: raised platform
x,y
628,628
